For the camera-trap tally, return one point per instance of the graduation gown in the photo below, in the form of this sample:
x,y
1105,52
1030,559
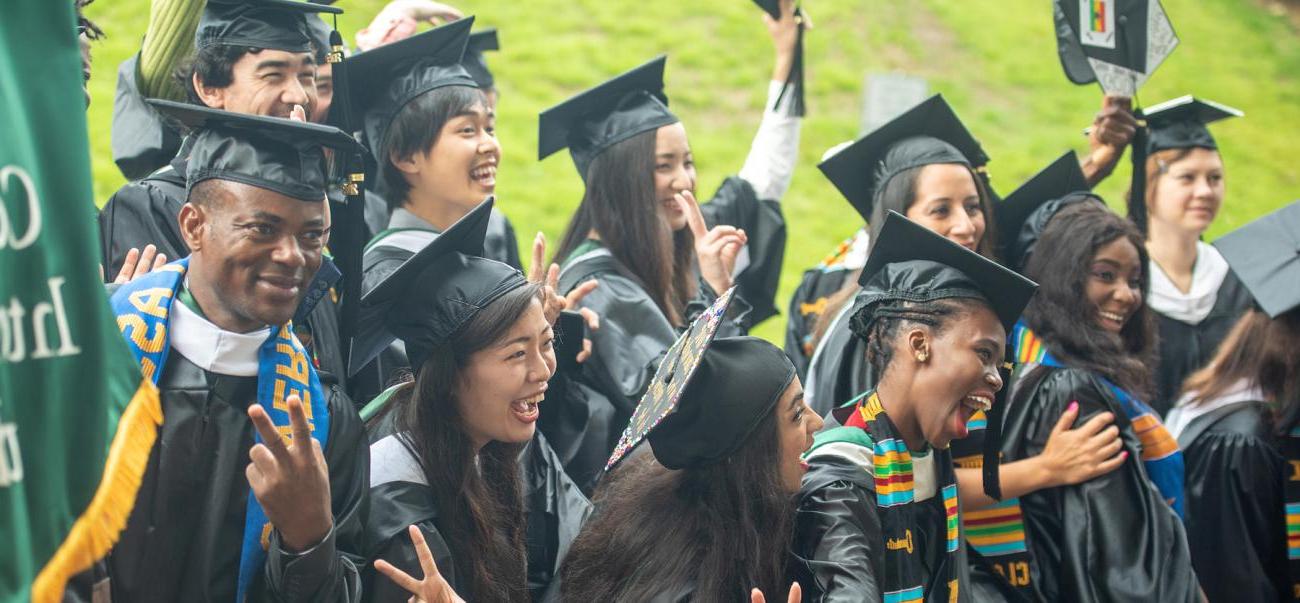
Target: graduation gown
x,y
758,267
838,369
855,540
1236,525
1112,538
400,496
809,301
182,540
1184,347
142,142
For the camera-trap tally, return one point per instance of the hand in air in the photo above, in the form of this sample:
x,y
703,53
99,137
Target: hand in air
x,y
553,303
139,263
1112,130
1074,456
291,480
716,248
433,588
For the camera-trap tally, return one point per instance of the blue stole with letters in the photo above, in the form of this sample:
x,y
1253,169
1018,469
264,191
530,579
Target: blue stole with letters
x,y
143,307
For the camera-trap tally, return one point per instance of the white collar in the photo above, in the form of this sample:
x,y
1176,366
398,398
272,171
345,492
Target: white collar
x,y
1184,413
212,348
1191,307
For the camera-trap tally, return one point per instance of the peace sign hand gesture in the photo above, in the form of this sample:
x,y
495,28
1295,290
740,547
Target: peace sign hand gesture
x,y
433,588
291,480
553,303
715,248
795,596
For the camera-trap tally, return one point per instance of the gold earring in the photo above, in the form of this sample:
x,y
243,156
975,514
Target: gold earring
x,y
922,356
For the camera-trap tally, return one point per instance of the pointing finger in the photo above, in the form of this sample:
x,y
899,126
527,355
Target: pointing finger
x,y
694,218
539,258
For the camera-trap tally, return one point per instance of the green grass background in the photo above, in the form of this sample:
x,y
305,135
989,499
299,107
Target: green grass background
x,y
995,61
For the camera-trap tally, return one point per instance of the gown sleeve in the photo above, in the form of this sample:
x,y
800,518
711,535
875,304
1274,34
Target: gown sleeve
x,y
139,214
633,335
399,551
1235,495
837,534
555,509
758,268
330,570
1112,538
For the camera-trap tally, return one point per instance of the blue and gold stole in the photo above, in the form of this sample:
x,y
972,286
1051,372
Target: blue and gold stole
x,y
143,308
1160,454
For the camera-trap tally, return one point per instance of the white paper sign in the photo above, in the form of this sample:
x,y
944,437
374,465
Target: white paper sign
x,y
1097,23
888,96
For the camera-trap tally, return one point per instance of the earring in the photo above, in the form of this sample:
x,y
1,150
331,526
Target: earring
x,y
922,356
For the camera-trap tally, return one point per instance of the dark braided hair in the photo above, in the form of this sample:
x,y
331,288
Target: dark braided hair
x,y
878,323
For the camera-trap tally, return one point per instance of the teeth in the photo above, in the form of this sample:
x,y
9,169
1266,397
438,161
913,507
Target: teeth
x,y
1111,316
528,405
483,172
979,403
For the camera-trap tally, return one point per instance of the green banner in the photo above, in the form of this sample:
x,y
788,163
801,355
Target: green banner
x,y
68,476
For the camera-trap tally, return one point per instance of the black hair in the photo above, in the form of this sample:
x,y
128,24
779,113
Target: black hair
x,y
1063,316
85,26
619,203
214,66
416,128
879,323
722,528
478,496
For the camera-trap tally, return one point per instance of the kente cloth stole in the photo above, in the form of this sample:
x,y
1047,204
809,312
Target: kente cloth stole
x,y
1291,498
997,531
1160,454
143,308
901,515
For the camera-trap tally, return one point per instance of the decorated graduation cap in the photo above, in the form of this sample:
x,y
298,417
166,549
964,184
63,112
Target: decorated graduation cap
x,y
793,86
608,114
708,395
926,134
1025,212
1179,123
474,60
274,24
435,293
1265,255
281,155
911,263
375,85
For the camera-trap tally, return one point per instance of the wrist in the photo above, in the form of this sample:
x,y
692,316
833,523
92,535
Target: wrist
x,y
298,543
1041,474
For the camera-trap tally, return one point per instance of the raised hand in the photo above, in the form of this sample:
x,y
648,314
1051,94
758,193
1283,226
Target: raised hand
x,y
291,479
1073,456
716,249
433,588
785,32
139,263
553,303
1112,130
795,595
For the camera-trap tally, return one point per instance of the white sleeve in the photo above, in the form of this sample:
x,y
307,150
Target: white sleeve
x,y
770,164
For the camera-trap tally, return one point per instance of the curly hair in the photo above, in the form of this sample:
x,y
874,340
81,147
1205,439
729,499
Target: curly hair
x,y
1063,316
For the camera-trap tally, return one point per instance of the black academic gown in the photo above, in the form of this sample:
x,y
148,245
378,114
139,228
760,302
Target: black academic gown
x,y
1185,348
554,508
841,370
142,141
182,540
737,204
145,212
1112,538
1236,525
808,304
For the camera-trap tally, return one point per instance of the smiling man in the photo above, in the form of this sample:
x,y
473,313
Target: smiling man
x,y
213,332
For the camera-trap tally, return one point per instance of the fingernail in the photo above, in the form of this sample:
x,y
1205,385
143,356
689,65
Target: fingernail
x,y
1124,454
1074,406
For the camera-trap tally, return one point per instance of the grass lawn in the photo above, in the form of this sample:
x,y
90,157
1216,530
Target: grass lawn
x,y
994,61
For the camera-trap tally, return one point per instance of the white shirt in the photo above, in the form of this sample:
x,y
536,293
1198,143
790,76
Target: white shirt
x,y
1191,307
772,156
1183,413
212,348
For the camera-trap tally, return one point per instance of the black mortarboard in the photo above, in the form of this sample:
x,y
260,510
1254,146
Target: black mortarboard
x,y
707,395
432,295
376,84
1180,123
1174,124
1019,218
274,24
474,62
912,263
794,81
926,134
277,154
1265,255
601,117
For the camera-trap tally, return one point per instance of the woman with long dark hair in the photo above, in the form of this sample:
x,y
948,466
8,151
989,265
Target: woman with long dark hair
x,y
659,256
878,510
705,514
1194,297
1236,423
1086,342
449,461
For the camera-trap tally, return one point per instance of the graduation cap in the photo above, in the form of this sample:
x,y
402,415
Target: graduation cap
x,y
1116,43
1265,255
926,134
432,295
1024,213
794,81
708,394
912,263
281,155
1179,123
610,113
274,24
375,85
475,63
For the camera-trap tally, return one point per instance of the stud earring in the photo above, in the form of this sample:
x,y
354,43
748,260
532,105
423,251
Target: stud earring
x,y
922,356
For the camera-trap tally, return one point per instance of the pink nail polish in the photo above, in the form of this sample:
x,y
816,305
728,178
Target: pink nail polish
x,y
1074,406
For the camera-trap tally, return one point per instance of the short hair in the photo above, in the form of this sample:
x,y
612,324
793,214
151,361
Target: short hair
x,y
416,128
214,66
